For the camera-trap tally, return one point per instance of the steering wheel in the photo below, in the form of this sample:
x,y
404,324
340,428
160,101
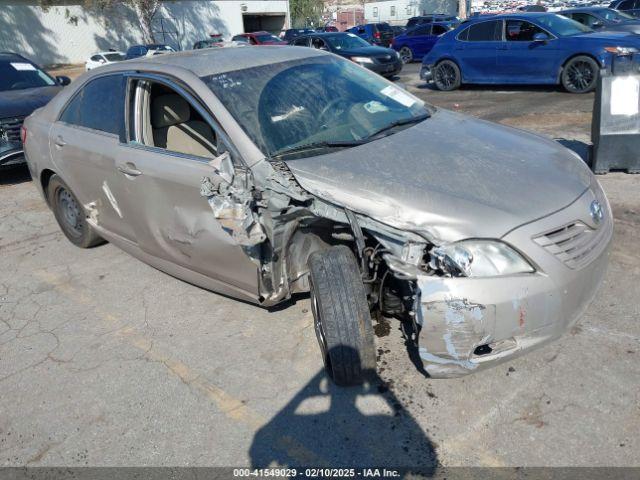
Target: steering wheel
x,y
333,103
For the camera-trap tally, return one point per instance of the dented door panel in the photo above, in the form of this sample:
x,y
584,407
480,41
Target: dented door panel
x,y
174,222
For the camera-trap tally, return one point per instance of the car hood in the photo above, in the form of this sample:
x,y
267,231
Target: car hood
x,y
480,183
631,27
611,35
20,103
367,51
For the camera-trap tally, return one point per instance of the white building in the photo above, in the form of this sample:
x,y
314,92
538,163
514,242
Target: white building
x,y
67,33
397,12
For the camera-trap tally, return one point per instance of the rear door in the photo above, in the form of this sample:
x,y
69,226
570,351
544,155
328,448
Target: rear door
x,y
82,144
174,223
477,50
523,60
419,40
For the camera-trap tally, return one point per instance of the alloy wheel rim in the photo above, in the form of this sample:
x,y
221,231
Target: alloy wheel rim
x,y
70,210
445,75
580,75
405,55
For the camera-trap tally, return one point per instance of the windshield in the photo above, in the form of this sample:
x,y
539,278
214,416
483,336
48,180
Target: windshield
x,y
562,26
267,38
20,75
114,57
346,41
314,100
614,15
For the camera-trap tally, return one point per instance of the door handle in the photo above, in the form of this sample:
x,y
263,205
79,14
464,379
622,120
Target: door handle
x,y
129,169
60,141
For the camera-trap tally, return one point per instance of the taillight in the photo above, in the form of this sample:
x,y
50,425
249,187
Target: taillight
x,y
23,135
376,35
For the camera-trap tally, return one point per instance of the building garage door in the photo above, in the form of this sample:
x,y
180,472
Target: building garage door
x,y
271,22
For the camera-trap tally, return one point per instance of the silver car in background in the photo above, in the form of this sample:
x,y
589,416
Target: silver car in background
x,y
261,172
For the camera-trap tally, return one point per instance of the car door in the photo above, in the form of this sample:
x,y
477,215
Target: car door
x,y
174,223
476,51
82,144
419,39
521,59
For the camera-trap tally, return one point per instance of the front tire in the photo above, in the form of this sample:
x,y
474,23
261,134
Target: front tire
x,y
341,316
580,74
70,214
406,55
446,76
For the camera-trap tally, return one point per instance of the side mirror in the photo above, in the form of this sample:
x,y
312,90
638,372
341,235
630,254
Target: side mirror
x,y
62,80
540,37
102,60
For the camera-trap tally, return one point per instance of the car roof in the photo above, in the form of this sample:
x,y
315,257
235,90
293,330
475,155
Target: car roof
x,y
259,32
219,60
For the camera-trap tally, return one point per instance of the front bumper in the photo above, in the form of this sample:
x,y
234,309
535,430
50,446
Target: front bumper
x,y
385,69
11,155
425,73
508,316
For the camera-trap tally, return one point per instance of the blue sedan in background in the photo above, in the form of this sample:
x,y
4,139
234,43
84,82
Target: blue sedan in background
x,y
604,18
533,48
416,42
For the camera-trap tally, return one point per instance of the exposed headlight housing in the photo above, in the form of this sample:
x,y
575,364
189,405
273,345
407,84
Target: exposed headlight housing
x,y
362,59
478,258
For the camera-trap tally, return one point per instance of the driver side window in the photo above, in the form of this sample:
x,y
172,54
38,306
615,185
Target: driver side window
x,y
319,44
165,119
522,31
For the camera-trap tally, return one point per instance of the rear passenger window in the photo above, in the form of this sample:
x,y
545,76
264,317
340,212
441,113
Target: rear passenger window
x,y
485,32
99,105
438,30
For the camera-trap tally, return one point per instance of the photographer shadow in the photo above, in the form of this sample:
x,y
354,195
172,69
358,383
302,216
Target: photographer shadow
x,y
329,426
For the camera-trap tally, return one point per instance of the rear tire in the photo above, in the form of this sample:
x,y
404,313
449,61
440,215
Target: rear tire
x,y
70,214
406,55
341,316
446,76
580,74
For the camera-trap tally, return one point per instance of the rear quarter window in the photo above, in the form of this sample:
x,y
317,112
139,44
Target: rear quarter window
x,y
98,105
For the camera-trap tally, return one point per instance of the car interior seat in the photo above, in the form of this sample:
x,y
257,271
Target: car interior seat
x,y
176,129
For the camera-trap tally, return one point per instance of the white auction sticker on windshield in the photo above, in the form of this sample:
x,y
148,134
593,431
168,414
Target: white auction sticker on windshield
x,y
23,66
398,95
624,96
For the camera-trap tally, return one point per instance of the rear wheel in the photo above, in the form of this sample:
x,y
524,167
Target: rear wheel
x,y
580,74
406,55
446,76
341,316
70,215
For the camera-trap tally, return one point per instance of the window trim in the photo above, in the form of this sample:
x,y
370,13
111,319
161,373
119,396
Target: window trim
x,y
196,103
504,30
77,92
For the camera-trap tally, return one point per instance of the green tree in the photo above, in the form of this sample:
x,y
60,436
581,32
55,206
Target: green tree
x,y
306,13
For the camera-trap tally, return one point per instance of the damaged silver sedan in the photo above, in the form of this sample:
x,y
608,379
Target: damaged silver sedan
x,y
264,172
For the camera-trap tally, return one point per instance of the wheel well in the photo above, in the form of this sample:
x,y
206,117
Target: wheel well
x,y
571,58
45,176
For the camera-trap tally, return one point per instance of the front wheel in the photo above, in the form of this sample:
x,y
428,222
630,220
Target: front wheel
x,y
580,74
406,55
341,316
446,76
